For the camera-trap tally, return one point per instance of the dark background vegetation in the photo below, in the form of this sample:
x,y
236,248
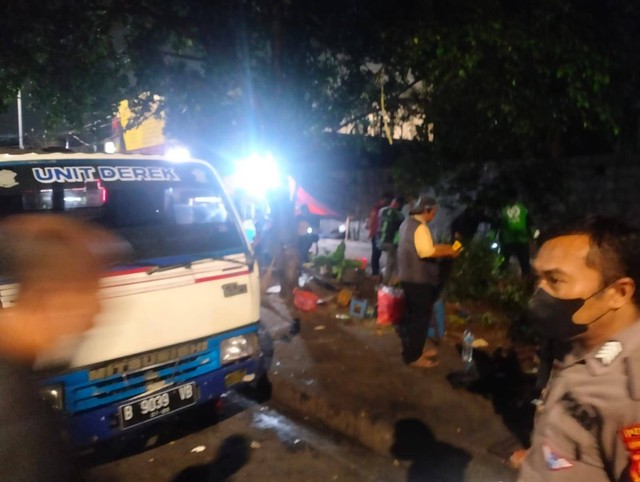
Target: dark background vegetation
x,y
511,91
497,79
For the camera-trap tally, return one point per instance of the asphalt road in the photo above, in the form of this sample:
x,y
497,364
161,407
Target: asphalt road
x,y
241,441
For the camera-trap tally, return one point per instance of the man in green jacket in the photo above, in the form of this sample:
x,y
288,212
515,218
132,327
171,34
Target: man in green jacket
x,y
515,233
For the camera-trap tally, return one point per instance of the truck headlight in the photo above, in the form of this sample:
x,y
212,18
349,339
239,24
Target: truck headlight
x,y
237,347
53,395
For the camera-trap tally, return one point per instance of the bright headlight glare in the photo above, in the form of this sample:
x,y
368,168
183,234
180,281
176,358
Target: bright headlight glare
x,y
52,395
237,347
258,174
178,154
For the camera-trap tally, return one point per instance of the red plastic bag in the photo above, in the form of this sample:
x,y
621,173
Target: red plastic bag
x,y
305,300
390,305
363,263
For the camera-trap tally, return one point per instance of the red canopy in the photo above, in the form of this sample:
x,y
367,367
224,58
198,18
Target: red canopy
x,y
316,207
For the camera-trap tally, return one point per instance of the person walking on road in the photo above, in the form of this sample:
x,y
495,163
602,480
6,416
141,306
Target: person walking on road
x,y
587,425
373,232
389,220
420,280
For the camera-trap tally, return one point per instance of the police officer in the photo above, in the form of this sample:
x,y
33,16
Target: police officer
x,y
588,422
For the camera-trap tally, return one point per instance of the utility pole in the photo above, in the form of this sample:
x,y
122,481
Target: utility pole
x,y
20,134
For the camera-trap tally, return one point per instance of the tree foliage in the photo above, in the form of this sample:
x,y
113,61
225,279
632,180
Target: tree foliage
x,y
497,79
63,57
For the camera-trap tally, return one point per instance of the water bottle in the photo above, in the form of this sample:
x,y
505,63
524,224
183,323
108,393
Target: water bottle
x,y
467,348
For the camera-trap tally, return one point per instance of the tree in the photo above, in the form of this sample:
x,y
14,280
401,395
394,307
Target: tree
x,y
61,56
514,80
496,79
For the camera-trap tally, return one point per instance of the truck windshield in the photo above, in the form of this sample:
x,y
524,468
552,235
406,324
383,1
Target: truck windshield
x,y
163,210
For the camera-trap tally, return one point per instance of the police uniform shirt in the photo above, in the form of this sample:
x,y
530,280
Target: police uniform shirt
x,y
588,425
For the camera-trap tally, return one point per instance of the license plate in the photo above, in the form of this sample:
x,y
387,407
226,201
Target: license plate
x,y
157,405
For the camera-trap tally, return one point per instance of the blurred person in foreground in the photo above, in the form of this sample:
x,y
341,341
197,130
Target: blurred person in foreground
x,y
420,280
58,263
587,425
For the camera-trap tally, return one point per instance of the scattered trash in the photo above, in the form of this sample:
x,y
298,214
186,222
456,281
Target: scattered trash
x,y
152,459
396,462
363,263
304,280
480,343
322,301
255,445
358,308
467,349
342,316
390,305
319,327
344,297
305,300
198,449
274,290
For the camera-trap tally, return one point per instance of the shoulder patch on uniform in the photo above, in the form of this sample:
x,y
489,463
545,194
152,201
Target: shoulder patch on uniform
x,y
609,352
553,460
631,438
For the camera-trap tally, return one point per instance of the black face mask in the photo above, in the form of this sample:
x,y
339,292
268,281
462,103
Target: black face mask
x,y
552,316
